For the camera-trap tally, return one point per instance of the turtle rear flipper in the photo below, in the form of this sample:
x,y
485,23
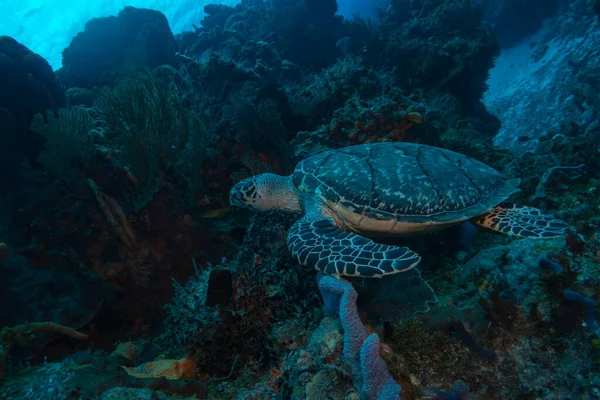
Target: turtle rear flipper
x,y
321,244
522,221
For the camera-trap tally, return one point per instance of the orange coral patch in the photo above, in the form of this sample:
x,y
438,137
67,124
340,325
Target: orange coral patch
x,y
415,117
170,369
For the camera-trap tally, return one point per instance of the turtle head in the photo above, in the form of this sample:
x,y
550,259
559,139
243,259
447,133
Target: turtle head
x,y
265,192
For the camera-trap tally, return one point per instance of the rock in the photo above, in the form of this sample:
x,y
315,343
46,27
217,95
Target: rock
x,y
483,263
513,269
548,80
27,87
112,47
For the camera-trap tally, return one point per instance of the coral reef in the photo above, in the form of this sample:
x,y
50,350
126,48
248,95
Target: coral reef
x,y
457,61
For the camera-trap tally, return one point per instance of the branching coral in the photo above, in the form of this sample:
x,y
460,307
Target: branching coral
x,y
257,122
568,173
328,90
187,312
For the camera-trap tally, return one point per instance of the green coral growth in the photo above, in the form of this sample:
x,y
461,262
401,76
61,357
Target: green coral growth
x,y
69,144
154,130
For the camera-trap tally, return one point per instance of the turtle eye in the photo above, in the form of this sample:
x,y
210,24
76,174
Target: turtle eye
x,y
247,186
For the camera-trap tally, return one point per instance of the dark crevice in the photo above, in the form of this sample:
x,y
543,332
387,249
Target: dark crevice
x,y
324,162
462,170
371,176
400,149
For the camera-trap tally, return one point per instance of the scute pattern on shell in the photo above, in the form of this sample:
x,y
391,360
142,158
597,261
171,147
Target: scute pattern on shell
x,y
405,181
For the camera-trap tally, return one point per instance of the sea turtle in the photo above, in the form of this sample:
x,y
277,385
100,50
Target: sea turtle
x,y
385,188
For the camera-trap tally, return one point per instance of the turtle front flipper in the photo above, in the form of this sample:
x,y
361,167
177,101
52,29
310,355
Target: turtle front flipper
x,y
321,244
522,221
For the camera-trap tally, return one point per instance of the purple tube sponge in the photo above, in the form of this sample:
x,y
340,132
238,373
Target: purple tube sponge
x,y
331,298
361,351
377,382
354,331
